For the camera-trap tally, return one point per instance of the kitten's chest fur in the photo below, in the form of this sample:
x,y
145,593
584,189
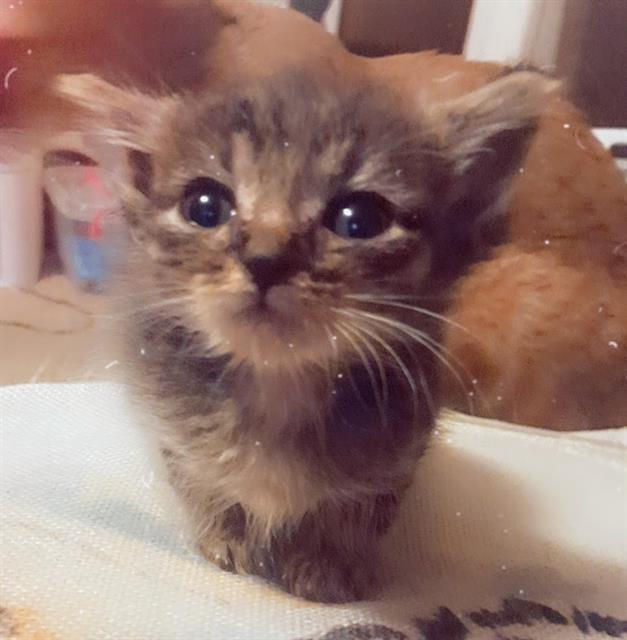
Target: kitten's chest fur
x,y
276,443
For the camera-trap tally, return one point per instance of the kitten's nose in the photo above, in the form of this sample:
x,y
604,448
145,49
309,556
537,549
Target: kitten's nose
x,y
268,271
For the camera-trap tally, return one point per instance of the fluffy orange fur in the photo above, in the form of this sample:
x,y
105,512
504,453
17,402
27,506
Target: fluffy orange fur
x,y
545,320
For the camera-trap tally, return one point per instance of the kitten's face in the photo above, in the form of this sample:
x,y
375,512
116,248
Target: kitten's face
x,y
269,213
270,209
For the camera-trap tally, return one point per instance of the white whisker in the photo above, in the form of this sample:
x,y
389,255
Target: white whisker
x,y
402,366
426,341
423,382
375,355
345,329
153,306
400,305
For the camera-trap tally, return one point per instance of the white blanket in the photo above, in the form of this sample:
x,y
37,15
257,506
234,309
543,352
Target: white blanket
x,y
509,534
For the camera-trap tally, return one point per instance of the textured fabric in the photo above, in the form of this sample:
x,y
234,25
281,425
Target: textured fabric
x,y
509,534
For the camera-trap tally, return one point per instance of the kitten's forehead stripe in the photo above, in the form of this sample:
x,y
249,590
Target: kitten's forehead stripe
x,y
308,137
244,121
287,148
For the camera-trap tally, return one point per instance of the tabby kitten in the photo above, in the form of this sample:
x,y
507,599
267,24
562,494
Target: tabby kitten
x,y
266,224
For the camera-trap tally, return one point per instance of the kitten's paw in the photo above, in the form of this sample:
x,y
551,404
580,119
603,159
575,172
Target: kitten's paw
x,y
224,545
328,580
229,556
217,552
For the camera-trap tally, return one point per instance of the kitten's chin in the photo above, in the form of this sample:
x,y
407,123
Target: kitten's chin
x,y
277,330
280,306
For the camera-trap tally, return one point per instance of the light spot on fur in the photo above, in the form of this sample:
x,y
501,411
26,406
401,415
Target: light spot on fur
x,y
172,219
332,156
228,455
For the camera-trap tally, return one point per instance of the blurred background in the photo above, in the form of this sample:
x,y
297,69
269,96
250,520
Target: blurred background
x,y
55,250
581,41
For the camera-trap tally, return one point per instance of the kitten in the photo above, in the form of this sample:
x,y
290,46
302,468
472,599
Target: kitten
x,y
267,225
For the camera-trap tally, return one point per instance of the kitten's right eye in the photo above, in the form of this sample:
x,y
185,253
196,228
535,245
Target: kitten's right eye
x,y
207,203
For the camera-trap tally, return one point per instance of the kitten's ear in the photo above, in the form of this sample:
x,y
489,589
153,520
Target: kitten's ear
x,y
121,116
481,139
468,127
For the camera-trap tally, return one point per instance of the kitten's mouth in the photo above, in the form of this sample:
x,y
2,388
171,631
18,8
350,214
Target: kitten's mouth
x,y
279,304
284,327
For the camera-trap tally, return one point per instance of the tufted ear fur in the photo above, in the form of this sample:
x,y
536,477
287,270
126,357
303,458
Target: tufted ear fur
x,y
465,125
480,140
121,116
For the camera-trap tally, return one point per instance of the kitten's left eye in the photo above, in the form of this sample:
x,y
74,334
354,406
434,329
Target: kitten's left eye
x,y
359,215
207,203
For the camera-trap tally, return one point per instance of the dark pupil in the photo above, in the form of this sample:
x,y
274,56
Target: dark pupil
x,y
359,215
207,203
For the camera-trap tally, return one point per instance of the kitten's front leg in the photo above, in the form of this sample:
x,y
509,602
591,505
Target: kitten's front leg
x,y
223,541
220,532
329,557
320,571
329,575
321,560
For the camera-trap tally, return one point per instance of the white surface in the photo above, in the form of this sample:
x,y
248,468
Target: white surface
x,y
611,136
94,544
512,31
21,211
282,4
333,17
